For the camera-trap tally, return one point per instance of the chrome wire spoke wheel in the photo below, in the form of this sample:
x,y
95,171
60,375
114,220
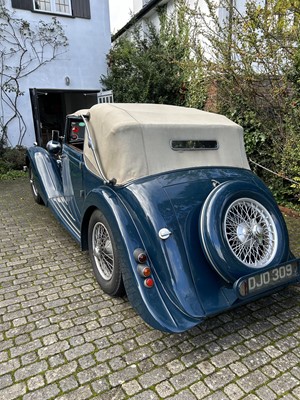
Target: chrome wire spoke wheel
x,y
106,253
250,232
32,183
34,188
103,251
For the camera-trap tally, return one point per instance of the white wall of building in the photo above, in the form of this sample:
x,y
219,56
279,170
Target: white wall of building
x,y
138,4
151,16
201,6
83,61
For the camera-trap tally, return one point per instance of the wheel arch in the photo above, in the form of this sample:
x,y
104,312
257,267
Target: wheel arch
x,y
154,307
106,200
85,227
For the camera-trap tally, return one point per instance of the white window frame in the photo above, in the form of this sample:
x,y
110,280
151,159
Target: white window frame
x,y
53,8
105,96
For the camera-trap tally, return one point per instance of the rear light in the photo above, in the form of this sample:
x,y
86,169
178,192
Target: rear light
x,y
140,256
149,282
243,288
143,270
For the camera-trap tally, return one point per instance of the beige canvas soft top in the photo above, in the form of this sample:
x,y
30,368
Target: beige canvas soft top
x,y
134,140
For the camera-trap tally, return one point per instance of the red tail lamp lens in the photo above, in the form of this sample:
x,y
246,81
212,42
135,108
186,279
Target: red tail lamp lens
x,y
144,270
140,256
75,129
149,282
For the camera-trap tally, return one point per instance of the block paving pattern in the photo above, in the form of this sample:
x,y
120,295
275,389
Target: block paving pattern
x,y
62,338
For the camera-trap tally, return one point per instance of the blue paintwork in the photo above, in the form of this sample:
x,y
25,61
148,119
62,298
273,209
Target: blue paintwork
x,y
187,289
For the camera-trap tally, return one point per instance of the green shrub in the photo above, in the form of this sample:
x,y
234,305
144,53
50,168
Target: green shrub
x,y
158,67
251,62
255,59
12,159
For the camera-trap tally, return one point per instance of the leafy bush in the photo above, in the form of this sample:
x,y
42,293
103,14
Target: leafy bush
x,y
253,55
12,174
161,66
248,58
12,159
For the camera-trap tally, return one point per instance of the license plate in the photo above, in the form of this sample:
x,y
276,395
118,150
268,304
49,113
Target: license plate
x,y
266,280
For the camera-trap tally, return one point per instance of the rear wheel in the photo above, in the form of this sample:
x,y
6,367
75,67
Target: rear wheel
x,y
35,192
106,252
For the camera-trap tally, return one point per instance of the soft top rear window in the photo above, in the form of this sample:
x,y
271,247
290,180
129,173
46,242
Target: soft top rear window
x,y
194,145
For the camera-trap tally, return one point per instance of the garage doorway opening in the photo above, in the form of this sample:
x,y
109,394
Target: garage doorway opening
x,y
50,108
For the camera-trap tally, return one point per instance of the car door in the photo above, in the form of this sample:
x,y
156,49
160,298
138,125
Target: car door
x,y
72,162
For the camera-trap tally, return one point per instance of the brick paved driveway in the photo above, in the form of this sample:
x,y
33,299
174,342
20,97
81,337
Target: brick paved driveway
x,y
62,338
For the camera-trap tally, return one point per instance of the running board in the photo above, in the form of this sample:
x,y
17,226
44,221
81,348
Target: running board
x,y
61,209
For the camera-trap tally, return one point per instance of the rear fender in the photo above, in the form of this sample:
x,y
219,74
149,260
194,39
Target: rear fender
x,y
46,171
152,304
107,201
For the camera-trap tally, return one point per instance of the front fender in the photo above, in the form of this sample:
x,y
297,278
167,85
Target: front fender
x,y
46,173
153,304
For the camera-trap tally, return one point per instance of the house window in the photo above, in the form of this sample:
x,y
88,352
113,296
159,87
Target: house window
x,y
74,8
53,6
105,96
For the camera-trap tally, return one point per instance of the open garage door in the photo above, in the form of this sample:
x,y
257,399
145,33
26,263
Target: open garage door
x,y
50,107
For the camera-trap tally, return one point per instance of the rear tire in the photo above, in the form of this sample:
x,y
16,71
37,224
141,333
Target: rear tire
x,y
106,253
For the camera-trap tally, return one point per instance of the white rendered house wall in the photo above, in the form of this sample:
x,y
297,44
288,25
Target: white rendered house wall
x,y
78,67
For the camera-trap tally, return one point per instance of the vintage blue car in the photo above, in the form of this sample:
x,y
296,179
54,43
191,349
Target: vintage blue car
x,y
163,199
